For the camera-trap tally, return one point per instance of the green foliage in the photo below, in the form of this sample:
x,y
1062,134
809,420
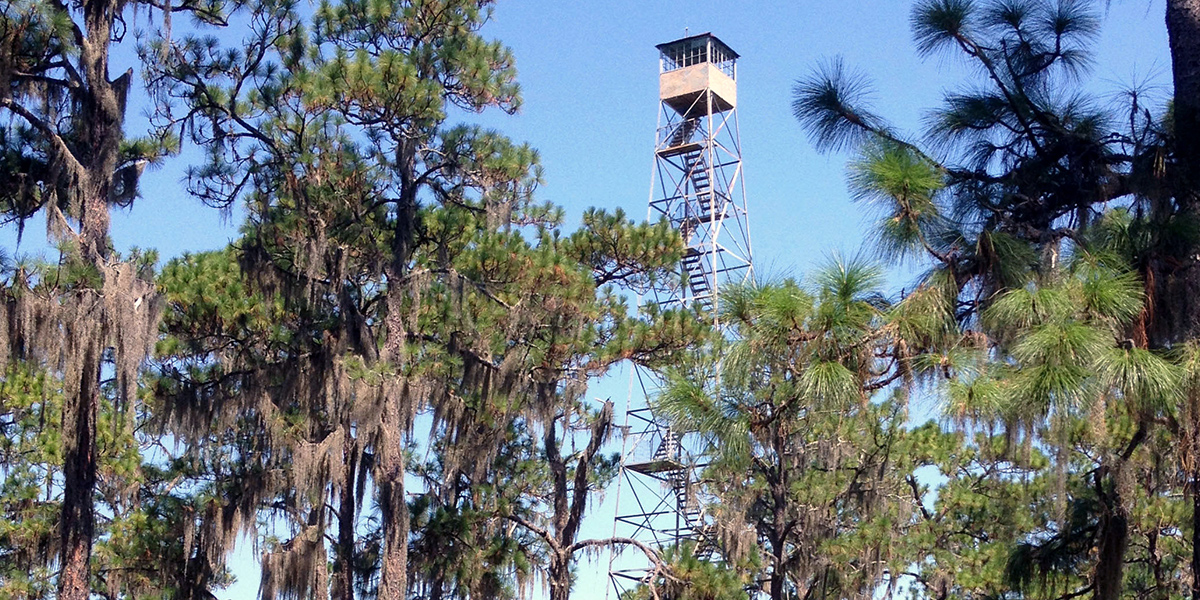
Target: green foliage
x,y
30,452
691,578
1044,322
796,437
623,252
900,185
140,550
829,104
396,279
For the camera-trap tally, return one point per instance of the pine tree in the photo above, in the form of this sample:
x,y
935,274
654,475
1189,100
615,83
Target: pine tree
x,y
334,139
393,266
1014,204
807,467
66,156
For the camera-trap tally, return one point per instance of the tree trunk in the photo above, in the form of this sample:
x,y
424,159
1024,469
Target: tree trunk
x,y
393,581
1110,568
343,584
560,576
1113,542
777,574
1183,31
779,489
1179,277
1195,533
1191,465
559,571
103,115
78,521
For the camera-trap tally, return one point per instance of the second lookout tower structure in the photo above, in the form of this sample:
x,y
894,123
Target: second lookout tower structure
x,y
698,165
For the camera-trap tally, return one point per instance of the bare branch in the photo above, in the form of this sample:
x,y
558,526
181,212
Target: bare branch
x,y
650,553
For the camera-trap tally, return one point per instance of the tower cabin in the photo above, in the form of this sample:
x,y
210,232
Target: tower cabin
x,y
697,76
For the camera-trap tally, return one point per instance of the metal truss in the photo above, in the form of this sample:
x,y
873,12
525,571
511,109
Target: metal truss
x,y
698,177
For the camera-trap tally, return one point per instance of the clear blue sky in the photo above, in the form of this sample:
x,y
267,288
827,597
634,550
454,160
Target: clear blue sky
x,y
588,72
589,77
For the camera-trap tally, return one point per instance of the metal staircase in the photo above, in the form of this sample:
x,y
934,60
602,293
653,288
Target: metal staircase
x,y
697,209
698,279
683,132
669,465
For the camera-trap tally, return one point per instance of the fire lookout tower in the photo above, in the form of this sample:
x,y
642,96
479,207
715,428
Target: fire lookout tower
x,y
698,165
698,187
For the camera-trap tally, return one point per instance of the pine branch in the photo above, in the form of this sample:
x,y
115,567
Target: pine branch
x,y
46,79
541,532
650,553
42,126
76,32
916,490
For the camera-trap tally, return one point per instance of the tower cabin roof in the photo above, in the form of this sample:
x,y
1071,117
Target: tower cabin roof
x,y
715,40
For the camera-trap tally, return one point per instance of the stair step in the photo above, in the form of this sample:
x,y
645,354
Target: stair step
x,y
683,132
702,217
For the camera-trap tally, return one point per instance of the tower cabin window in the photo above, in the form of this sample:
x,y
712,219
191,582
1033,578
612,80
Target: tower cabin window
x,y
698,50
